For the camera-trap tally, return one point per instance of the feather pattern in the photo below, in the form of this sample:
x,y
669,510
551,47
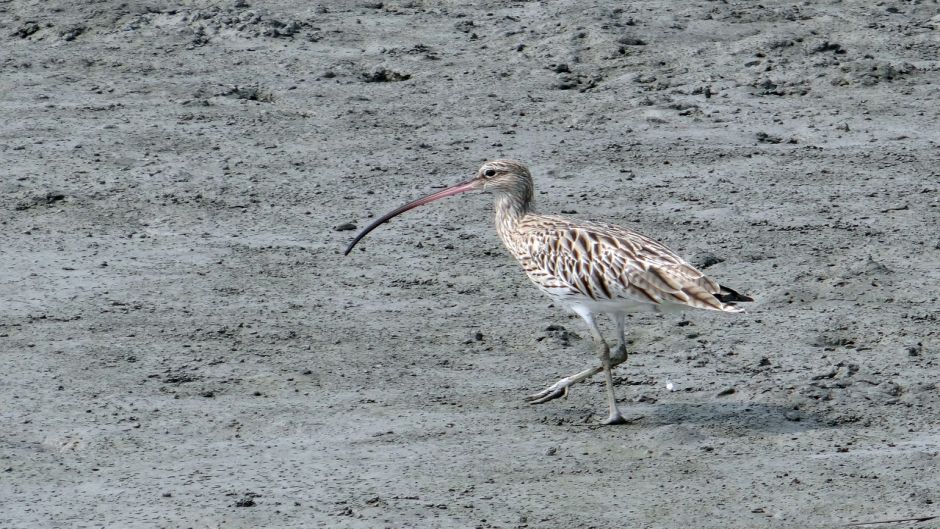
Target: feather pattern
x,y
603,263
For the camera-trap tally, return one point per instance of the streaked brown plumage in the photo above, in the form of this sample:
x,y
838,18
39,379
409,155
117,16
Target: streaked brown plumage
x,y
608,263
587,266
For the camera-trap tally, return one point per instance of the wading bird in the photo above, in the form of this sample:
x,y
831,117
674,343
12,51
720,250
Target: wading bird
x,y
588,267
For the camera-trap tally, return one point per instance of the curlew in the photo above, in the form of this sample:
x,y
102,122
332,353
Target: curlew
x,y
589,267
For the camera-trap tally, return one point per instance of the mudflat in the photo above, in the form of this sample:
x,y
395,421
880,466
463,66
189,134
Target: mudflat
x,y
184,344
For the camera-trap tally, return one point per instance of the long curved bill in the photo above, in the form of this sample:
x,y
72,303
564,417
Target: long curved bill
x,y
469,185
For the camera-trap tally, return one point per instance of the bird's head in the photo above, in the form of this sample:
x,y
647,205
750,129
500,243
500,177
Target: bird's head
x,y
505,176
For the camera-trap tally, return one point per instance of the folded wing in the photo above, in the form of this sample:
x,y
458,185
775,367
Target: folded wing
x,y
610,263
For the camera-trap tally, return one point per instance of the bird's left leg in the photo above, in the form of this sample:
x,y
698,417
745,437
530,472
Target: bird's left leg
x,y
560,388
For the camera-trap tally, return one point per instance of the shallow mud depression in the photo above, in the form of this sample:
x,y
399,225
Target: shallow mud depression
x,y
184,344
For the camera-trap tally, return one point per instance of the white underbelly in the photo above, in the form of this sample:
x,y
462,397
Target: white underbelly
x,y
564,296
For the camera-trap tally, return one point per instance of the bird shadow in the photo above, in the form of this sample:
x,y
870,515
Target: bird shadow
x,y
735,418
743,416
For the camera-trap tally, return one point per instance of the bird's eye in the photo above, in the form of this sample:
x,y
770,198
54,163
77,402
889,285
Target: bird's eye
x,y
489,172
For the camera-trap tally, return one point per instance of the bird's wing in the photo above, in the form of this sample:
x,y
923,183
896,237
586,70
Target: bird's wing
x,y
606,262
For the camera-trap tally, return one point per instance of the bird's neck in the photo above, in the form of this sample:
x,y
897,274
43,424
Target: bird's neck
x,y
510,210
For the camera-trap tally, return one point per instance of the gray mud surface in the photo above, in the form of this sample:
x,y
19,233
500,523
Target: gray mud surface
x,y
183,344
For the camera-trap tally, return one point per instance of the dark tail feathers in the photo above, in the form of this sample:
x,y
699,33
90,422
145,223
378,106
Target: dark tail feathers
x,y
727,295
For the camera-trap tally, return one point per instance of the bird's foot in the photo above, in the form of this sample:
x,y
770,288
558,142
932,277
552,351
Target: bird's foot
x,y
614,418
618,355
560,388
556,390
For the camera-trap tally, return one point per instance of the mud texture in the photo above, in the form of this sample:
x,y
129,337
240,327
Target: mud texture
x,y
184,345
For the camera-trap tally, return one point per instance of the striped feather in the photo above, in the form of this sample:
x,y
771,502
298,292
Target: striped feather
x,y
602,262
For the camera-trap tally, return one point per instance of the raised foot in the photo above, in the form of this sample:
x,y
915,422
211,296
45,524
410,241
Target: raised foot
x,y
556,390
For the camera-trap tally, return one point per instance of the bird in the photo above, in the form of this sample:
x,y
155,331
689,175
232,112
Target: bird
x,y
589,267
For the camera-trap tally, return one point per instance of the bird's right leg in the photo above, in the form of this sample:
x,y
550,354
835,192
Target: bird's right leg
x,y
603,350
620,354
560,388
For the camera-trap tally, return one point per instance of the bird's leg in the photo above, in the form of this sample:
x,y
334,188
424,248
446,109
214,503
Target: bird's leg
x,y
560,388
615,417
620,355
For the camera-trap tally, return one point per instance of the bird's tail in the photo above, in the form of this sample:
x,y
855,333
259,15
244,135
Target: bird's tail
x,y
727,295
